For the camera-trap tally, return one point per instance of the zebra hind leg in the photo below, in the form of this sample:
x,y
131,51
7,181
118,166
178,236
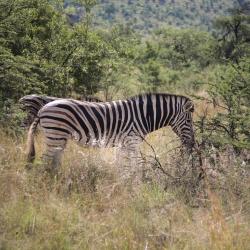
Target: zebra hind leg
x,y
53,154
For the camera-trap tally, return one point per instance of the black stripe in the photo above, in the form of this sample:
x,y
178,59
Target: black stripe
x,y
101,109
34,102
177,107
158,112
170,112
78,118
173,110
150,112
144,121
164,112
56,139
112,126
99,118
119,120
108,121
140,128
58,129
89,119
125,115
61,120
113,111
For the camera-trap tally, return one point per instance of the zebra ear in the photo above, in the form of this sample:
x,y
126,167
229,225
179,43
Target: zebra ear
x,y
188,106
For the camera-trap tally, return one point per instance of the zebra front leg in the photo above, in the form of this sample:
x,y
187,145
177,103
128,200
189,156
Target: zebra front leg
x,y
129,161
131,146
131,169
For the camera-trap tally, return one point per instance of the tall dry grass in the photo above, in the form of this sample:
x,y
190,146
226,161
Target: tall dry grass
x,y
93,203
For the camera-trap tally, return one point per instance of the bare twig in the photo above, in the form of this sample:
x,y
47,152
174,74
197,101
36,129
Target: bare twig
x,y
158,163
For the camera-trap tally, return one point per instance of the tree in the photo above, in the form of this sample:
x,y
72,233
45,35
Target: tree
x,y
231,95
181,48
233,34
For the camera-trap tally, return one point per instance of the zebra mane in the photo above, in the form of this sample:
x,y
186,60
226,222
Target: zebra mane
x,y
51,98
158,94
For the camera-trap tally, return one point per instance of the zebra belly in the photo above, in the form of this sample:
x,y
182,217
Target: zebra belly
x,y
103,141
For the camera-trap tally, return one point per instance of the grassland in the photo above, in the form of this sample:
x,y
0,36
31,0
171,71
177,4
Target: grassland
x,y
94,203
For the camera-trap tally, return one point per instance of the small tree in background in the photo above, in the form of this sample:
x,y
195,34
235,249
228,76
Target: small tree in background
x,y
231,95
233,33
230,92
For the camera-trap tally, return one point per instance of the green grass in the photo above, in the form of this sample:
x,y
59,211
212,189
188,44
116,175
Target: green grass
x,y
90,206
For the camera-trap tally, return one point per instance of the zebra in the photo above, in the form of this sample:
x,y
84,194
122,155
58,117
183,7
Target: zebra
x,y
33,103
108,124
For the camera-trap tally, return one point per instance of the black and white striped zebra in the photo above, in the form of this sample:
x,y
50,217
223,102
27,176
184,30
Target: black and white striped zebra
x,y
33,103
122,122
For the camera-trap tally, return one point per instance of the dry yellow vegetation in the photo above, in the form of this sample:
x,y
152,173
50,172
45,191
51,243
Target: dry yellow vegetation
x,y
94,204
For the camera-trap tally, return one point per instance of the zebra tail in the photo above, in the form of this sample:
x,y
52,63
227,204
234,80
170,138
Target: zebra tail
x,y
31,152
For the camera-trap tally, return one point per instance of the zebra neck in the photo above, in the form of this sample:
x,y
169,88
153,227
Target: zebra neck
x,y
159,112
156,115
154,122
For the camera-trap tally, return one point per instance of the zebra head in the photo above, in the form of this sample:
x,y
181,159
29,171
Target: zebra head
x,y
183,124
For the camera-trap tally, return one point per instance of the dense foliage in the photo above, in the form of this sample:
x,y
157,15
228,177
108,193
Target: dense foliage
x,y
42,53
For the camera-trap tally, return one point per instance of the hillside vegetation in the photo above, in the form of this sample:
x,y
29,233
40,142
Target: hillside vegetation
x,y
146,15
99,199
